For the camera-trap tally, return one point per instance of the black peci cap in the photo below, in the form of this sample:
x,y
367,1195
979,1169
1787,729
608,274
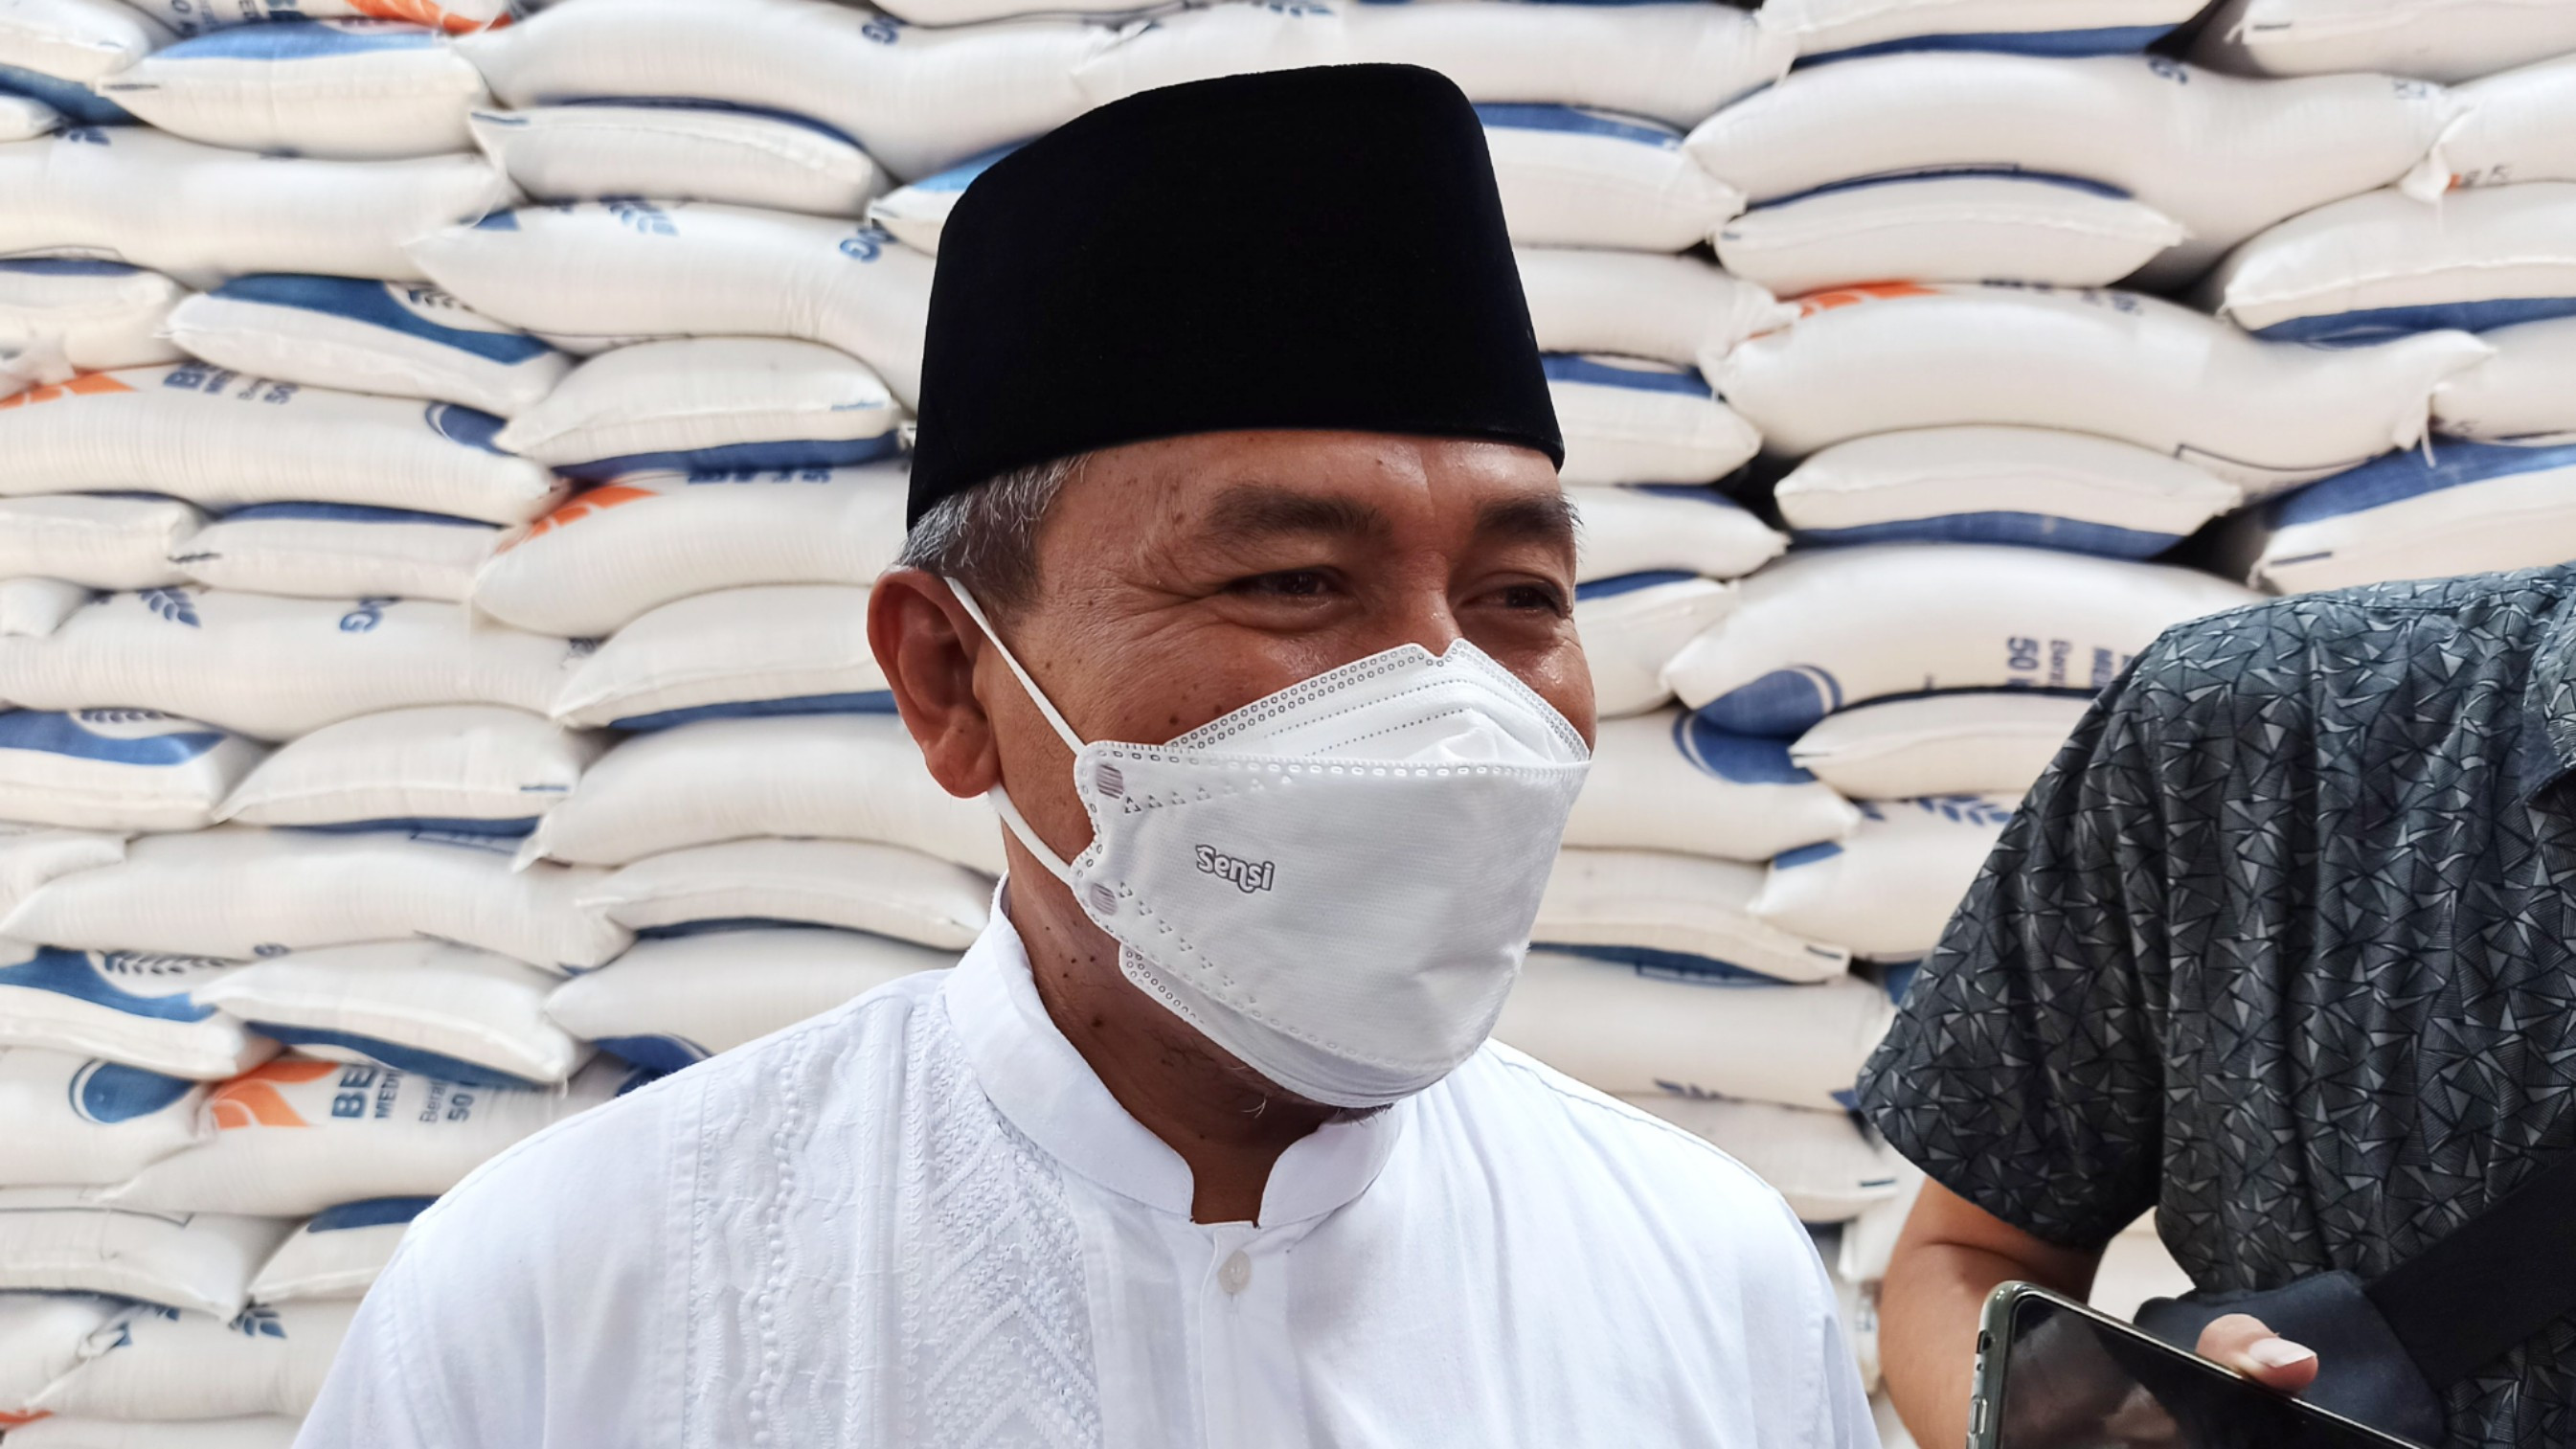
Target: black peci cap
x,y
1319,248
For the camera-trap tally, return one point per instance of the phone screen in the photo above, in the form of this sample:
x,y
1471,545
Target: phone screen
x,y
2072,1381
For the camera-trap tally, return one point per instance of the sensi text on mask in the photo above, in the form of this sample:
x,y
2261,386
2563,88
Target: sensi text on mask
x,y
1248,876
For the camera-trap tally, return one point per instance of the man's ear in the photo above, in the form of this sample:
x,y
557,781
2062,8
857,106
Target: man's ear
x,y
927,647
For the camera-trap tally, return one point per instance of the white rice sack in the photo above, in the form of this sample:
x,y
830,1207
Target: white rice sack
x,y
476,768
242,893
2382,263
2469,508
2069,491
1669,781
918,100
612,554
125,1006
273,668
204,213
1888,889
1631,304
683,999
297,1136
398,339
31,855
1636,1030
424,1007
2263,415
97,542
456,17
78,1121
916,214
1940,744
76,40
221,439
1674,63
2525,392
90,315
2516,126
709,403
1828,1165
116,769
1845,28
1632,626
54,1239
35,608
40,1338
338,551
1660,527
1577,178
1681,913
772,649
339,1253
358,90
1828,628
854,885
2439,40
678,152
158,1364
23,118
2223,157
2046,229
831,776
592,275
61,1431
1630,420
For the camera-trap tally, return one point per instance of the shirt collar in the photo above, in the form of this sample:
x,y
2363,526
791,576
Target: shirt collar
x,y
1038,1081
2547,749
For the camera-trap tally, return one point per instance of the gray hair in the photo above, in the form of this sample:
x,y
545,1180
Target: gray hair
x,y
986,537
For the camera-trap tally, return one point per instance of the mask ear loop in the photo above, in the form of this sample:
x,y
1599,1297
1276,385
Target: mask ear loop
x,y
1012,819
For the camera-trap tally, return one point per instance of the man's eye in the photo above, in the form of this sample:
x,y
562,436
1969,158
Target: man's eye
x,y
1289,584
1542,598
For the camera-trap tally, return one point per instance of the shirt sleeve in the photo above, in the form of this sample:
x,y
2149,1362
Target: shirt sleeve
x,y
2024,1071
386,1389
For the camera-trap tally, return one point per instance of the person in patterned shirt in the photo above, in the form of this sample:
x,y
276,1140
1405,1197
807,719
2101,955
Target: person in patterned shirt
x,y
2278,948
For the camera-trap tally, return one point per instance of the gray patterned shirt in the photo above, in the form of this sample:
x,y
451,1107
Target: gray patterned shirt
x,y
2279,947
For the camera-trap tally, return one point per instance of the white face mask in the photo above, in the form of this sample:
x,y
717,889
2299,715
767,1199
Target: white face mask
x,y
1335,883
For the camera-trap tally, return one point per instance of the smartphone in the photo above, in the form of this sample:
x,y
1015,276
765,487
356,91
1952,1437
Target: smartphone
x,y
2054,1374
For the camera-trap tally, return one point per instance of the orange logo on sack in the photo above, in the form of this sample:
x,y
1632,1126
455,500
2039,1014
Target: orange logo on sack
x,y
87,384
579,508
1825,301
20,1421
252,1099
424,12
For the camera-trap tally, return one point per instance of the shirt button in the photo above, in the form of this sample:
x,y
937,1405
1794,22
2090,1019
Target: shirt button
x,y
1236,1273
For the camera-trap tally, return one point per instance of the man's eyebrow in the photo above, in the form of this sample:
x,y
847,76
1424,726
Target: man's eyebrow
x,y
1550,519
1265,510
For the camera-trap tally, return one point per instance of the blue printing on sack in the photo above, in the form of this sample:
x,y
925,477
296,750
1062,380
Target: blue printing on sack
x,y
460,424
1897,977
347,513
50,732
374,1212
77,102
76,267
2099,40
1612,588
1951,173
1576,121
871,701
1735,758
499,221
2029,530
69,973
400,1058
373,303
959,176
734,108
1668,965
111,1092
1784,702
2400,476
294,40
2378,324
653,1053
1805,855
413,825
1576,368
790,454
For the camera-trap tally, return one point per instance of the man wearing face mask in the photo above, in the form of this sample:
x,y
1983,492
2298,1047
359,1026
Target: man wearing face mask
x,y
1239,578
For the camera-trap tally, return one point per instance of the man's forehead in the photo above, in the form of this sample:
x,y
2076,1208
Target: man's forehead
x,y
1251,484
